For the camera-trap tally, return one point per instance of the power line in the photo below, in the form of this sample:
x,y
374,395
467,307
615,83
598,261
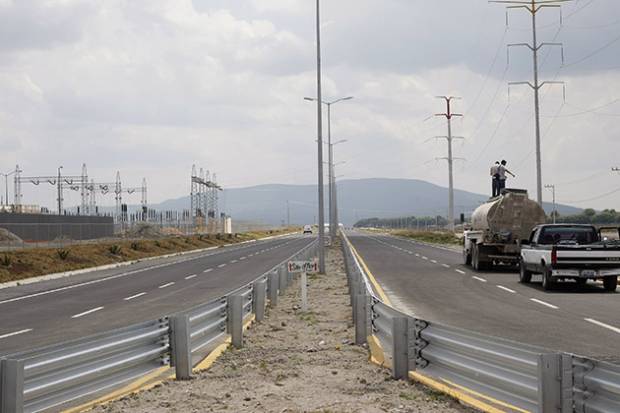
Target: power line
x,y
594,53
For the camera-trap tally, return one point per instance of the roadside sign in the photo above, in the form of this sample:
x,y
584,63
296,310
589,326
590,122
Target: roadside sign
x,y
308,267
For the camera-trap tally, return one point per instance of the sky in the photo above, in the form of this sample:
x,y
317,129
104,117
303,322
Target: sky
x,y
150,87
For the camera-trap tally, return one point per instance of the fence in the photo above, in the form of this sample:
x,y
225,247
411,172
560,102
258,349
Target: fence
x,y
71,373
491,373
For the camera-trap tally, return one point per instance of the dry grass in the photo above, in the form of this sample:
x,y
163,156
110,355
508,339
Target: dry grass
x,y
435,237
22,264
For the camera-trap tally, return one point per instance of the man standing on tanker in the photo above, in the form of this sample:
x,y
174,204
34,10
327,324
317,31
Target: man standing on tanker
x,y
502,171
495,180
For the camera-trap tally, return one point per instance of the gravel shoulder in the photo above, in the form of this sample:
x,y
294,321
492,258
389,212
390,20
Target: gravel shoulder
x,y
294,362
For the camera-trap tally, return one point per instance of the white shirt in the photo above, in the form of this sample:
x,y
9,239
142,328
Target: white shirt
x,y
501,170
494,170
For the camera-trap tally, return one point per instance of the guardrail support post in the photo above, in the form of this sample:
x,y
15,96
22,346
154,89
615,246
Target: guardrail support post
x,y
400,348
12,386
235,320
283,274
550,383
273,281
258,301
362,306
181,346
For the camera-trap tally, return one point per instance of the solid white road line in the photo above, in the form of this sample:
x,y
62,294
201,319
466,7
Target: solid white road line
x,y
593,321
15,333
189,277
208,270
134,296
479,279
166,285
460,271
546,304
501,287
87,312
445,265
221,266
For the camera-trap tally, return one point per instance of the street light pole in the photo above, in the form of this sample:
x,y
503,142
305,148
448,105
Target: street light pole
x,y
59,183
555,211
332,204
6,186
320,141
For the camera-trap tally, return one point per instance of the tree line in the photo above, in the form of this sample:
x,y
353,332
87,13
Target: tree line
x,y
411,222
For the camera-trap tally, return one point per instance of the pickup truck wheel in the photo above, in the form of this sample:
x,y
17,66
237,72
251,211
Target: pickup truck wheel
x,y
525,276
547,281
610,284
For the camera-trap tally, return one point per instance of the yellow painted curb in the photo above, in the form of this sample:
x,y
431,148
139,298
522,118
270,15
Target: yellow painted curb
x,y
371,277
461,396
139,385
377,355
490,399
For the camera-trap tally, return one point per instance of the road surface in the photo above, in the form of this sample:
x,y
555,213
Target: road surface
x,y
432,283
49,312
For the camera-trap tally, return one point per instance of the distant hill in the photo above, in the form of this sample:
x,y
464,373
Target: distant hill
x,y
363,198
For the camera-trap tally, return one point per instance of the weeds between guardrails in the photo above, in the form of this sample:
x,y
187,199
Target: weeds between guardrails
x,y
72,373
489,373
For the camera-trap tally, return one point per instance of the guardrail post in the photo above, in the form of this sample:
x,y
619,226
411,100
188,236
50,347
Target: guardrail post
x,y
258,301
181,346
549,383
273,281
12,386
283,274
400,348
235,320
362,306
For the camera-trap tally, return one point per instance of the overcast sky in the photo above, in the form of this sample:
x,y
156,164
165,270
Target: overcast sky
x,y
149,87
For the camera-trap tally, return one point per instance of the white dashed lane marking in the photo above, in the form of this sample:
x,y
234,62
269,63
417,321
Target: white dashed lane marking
x,y
546,304
166,285
434,261
189,277
501,287
15,333
134,296
598,323
208,270
460,271
221,266
87,312
479,279
445,265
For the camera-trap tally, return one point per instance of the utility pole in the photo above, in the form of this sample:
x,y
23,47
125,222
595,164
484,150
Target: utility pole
x,y
59,183
555,211
448,115
319,106
534,6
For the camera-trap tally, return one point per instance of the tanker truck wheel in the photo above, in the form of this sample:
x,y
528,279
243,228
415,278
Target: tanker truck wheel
x,y
466,257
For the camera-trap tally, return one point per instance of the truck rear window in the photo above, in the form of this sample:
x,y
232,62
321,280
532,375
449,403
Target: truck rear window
x,y
568,235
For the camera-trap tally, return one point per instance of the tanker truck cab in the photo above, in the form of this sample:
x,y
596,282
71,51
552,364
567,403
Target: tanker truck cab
x,y
570,252
498,228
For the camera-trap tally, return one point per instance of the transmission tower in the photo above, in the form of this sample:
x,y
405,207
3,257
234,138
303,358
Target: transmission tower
x,y
450,158
533,7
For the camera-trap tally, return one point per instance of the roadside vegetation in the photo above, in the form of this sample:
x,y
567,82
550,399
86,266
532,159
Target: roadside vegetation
x,y
22,264
433,237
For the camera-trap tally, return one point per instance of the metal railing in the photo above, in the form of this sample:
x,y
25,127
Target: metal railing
x,y
503,374
71,373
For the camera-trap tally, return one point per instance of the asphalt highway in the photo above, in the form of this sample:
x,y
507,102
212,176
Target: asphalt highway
x,y
53,311
432,283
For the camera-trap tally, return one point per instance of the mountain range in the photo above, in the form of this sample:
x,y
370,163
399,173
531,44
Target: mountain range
x,y
362,198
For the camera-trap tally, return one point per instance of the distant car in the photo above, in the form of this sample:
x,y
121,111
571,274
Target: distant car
x,y
307,229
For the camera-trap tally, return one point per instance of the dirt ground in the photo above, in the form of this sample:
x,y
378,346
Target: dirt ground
x,y
294,362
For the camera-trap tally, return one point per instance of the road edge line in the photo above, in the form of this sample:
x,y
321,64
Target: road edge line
x,y
371,277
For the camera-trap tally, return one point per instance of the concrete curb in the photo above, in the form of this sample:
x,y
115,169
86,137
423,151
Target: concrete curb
x,y
65,274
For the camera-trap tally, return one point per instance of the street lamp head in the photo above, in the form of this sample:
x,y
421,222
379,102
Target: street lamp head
x,y
340,141
348,98
310,99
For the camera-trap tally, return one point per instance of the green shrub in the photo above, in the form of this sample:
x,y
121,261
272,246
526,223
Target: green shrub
x,y
115,249
62,253
6,260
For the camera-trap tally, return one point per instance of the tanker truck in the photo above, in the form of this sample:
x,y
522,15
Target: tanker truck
x,y
498,228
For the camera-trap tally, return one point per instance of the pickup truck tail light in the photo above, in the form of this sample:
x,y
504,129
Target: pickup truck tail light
x,y
554,256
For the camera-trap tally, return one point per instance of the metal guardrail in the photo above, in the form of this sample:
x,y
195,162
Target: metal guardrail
x,y
66,374
502,373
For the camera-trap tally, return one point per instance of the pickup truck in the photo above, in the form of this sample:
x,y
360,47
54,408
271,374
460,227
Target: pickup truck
x,y
570,251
